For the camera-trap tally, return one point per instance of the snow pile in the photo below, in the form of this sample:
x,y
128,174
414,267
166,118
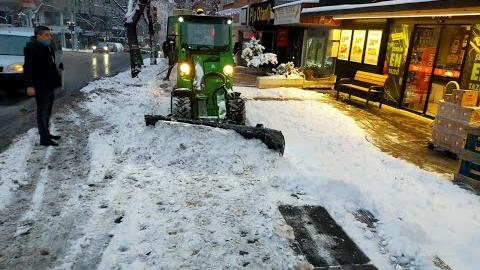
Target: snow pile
x,y
288,70
420,214
282,93
184,196
255,57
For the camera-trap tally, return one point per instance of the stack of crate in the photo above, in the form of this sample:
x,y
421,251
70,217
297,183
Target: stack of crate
x,y
455,113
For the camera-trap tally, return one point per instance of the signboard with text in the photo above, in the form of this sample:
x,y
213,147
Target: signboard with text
x,y
344,46
358,44
261,14
288,15
372,50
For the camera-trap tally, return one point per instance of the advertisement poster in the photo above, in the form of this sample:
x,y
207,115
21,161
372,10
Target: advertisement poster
x,y
395,60
471,71
372,49
358,44
344,48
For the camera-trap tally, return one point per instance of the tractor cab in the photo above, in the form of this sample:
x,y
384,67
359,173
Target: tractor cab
x,y
204,49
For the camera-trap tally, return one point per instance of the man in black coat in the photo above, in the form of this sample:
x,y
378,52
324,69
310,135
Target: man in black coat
x,y
41,79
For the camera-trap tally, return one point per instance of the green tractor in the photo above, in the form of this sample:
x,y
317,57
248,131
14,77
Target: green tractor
x,y
204,90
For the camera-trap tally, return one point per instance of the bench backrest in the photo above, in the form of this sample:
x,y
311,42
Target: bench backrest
x,y
370,78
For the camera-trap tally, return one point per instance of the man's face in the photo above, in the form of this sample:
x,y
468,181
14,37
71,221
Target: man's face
x,y
44,36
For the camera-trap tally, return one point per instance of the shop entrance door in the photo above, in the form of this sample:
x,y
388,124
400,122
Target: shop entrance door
x,y
420,70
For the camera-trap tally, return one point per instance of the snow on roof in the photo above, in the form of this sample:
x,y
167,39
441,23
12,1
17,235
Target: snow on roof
x,y
357,6
296,3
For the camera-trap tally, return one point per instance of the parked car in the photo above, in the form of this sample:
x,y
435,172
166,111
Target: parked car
x,y
12,43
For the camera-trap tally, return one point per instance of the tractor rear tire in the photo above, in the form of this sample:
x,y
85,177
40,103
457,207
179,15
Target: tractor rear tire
x,y
236,112
181,107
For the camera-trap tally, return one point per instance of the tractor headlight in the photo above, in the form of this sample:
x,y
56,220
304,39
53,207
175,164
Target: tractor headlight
x,y
228,70
105,48
184,69
15,68
94,47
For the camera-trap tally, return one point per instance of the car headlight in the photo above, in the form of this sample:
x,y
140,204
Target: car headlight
x,y
94,47
16,68
184,69
228,70
105,48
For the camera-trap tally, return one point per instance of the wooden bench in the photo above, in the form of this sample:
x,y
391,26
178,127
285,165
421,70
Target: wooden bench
x,y
364,82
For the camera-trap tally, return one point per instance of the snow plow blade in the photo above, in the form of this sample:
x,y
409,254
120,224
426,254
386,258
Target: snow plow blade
x,y
273,139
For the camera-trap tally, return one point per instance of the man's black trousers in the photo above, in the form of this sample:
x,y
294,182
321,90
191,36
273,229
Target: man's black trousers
x,y
44,98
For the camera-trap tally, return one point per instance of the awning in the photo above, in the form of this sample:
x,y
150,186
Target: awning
x,y
398,9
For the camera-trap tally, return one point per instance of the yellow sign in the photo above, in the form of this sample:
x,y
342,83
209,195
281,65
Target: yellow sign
x,y
372,50
344,47
358,44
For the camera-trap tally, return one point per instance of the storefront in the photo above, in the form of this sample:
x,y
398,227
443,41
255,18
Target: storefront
x,y
426,54
303,40
420,49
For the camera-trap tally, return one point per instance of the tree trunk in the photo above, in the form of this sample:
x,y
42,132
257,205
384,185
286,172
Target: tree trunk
x,y
151,32
136,60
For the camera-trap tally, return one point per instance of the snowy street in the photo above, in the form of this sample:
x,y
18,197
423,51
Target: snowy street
x,y
117,194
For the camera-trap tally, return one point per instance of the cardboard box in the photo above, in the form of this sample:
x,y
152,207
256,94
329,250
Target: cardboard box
x,y
448,98
451,142
465,98
452,111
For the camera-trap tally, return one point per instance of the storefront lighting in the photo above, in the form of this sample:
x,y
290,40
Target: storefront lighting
x,y
426,15
180,19
229,22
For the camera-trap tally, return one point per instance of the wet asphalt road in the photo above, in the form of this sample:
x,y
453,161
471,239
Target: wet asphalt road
x,y
17,115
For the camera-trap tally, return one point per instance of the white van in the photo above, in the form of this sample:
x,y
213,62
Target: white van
x,y
12,43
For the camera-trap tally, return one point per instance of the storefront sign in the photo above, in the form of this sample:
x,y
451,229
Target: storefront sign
x,y
372,49
358,44
288,15
471,71
261,13
320,20
344,48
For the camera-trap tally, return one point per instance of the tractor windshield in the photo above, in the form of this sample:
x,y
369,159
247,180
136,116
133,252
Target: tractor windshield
x,y
205,34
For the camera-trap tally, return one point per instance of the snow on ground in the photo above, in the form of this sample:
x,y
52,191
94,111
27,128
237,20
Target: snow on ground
x,y
196,197
12,169
421,215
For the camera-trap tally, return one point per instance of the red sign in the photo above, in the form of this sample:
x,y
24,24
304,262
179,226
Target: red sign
x,y
29,3
282,38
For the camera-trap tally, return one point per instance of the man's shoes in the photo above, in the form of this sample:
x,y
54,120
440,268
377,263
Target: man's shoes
x,y
49,143
55,137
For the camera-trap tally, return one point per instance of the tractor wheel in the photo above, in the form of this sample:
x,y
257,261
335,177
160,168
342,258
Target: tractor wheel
x,y
181,107
236,112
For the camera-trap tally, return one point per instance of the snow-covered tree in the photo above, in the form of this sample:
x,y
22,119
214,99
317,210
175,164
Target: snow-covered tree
x,y
255,57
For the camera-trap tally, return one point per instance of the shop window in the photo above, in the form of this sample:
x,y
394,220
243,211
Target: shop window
x,y
453,43
315,51
471,71
395,60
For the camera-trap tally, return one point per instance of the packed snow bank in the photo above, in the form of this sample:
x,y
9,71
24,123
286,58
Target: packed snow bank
x,y
13,166
420,214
